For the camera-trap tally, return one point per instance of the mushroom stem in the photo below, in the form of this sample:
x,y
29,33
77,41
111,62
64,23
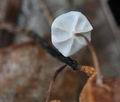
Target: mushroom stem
x,y
41,42
92,50
53,81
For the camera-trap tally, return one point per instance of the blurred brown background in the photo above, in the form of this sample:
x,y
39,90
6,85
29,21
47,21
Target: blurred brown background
x,y
26,69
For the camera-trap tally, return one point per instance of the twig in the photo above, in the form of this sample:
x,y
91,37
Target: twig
x,y
53,81
42,42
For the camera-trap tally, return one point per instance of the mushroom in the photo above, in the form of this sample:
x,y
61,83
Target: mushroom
x,y
64,30
70,33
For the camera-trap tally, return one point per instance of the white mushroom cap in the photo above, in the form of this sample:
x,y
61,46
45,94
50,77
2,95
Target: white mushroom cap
x,y
64,29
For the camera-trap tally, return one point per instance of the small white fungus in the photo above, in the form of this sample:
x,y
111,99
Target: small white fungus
x,y
64,29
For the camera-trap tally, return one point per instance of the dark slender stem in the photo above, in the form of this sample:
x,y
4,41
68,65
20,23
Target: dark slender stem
x,y
53,51
53,81
42,42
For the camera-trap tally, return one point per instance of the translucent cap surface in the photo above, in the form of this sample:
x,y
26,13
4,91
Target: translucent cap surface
x,y
64,29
